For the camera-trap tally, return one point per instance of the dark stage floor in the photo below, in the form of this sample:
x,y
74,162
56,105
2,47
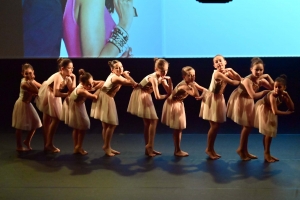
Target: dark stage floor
x,y
131,175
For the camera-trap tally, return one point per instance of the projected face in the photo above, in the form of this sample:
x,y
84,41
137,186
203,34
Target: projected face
x,y
257,70
118,68
219,63
279,87
190,76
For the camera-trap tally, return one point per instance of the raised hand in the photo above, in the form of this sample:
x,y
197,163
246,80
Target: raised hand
x,y
125,12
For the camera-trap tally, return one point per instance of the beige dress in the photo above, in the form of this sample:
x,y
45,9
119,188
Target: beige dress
x,y
265,120
24,116
173,114
140,103
213,107
104,108
75,114
240,106
46,101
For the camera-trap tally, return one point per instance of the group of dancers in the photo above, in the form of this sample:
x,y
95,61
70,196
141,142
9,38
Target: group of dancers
x,y
240,107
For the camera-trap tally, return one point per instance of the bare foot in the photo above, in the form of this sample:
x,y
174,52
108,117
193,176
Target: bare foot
x,y
156,152
108,152
242,155
211,155
27,144
52,149
149,151
22,149
276,159
115,152
215,154
181,153
268,158
251,156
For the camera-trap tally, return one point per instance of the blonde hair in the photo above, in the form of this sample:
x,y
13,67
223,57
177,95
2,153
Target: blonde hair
x,y
112,63
159,63
185,70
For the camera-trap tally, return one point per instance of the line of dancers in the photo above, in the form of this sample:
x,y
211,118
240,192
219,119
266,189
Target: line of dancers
x,y
240,107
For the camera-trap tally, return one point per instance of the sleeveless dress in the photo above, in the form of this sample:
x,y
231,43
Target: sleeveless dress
x,y
173,114
265,120
213,107
240,106
140,103
75,114
46,101
104,108
24,116
71,29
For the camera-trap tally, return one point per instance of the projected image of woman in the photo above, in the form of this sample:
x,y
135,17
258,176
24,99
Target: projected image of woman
x,y
90,31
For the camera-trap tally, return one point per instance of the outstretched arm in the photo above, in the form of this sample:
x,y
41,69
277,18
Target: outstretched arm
x,y
223,77
86,94
233,74
254,95
30,86
275,109
155,89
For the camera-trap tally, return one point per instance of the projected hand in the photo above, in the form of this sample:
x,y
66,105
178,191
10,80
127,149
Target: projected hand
x,y
125,12
127,53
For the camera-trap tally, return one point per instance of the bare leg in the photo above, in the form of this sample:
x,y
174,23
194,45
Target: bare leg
x,y
151,135
249,155
109,130
46,125
52,129
267,152
211,137
27,141
80,138
177,134
19,141
243,140
75,137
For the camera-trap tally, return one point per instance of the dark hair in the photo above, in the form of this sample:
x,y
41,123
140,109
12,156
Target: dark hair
x,y
63,62
111,63
184,70
160,63
255,61
282,79
84,76
26,66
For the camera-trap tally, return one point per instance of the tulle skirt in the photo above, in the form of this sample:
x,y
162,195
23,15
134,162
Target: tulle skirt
x,y
265,120
76,115
213,107
141,104
25,117
240,108
173,114
47,103
104,109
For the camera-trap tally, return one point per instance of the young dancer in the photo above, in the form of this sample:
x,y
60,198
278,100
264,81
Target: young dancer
x,y
76,115
24,115
49,100
240,107
173,114
266,112
105,108
141,105
213,107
